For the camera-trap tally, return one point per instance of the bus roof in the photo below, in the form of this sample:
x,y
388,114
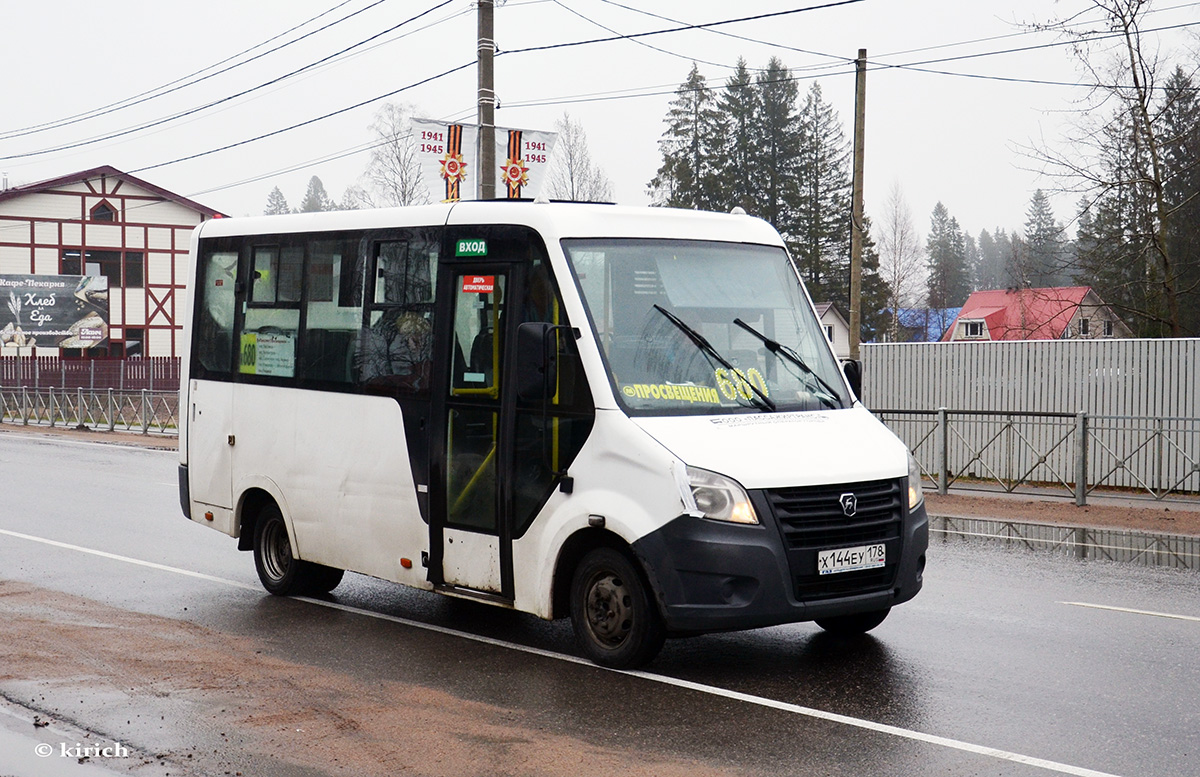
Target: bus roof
x,y
553,220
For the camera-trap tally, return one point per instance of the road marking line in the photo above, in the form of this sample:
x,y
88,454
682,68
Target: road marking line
x,y
128,560
1135,612
712,690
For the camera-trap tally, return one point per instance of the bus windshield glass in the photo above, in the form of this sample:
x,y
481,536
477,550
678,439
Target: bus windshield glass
x,y
705,327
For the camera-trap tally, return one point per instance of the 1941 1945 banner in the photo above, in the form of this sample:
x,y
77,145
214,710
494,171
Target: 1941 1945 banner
x,y
449,161
64,311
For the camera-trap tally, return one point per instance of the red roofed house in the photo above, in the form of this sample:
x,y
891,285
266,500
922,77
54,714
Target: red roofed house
x,y
98,236
1060,313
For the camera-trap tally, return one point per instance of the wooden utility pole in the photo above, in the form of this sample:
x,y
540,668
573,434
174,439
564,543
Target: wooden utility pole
x,y
487,101
856,202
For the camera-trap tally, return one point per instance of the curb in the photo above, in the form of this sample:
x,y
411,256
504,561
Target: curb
x,y
1148,549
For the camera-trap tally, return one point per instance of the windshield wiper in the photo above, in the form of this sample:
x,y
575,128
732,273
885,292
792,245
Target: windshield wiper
x,y
707,348
776,347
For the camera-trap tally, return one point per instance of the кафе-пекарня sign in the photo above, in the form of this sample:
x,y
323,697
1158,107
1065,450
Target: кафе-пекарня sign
x,y
65,311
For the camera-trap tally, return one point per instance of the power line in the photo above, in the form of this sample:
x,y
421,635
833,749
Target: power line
x,y
836,59
917,66
652,47
157,92
307,122
244,92
682,28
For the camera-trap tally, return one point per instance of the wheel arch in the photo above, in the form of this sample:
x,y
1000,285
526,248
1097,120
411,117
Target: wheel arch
x,y
251,504
572,552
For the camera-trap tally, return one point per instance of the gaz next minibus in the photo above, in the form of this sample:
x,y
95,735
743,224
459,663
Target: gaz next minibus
x,y
626,416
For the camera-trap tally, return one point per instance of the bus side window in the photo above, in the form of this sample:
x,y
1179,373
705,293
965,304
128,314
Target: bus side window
x,y
215,311
271,324
395,348
332,316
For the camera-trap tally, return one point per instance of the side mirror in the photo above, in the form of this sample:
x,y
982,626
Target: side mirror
x,y
537,361
852,369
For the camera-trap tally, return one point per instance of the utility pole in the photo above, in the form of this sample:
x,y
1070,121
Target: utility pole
x,y
487,101
856,200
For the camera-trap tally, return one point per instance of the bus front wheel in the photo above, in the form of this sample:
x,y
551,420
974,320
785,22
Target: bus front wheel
x,y
279,570
849,625
614,617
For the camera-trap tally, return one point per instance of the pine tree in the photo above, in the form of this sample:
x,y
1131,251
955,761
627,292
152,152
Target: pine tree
x,y
1046,249
820,227
690,148
948,280
1181,158
776,133
276,203
990,270
738,183
316,199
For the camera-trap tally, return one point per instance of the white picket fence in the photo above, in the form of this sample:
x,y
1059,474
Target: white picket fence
x,y
1081,414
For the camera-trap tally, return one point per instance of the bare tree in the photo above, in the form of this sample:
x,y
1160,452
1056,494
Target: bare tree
x,y
573,176
393,175
1115,160
901,256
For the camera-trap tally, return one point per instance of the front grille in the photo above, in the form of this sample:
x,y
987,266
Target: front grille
x,y
810,587
812,519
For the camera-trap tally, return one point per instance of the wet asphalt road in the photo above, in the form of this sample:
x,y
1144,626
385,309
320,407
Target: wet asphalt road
x,y
989,671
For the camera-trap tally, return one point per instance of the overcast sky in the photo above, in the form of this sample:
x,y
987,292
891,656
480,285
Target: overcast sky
x,y
953,135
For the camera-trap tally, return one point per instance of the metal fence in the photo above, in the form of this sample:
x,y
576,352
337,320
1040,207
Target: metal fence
x,y
1128,378
1149,549
1076,453
1072,414
145,411
132,374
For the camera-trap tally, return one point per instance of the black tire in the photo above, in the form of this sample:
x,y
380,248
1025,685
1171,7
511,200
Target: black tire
x,y
323,579
280,572
616,622
849,625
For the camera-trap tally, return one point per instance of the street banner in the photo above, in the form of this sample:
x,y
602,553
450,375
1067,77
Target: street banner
x,y
446,153
64,311
524,159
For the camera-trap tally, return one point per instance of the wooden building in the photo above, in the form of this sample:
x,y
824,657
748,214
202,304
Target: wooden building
x,y
104,222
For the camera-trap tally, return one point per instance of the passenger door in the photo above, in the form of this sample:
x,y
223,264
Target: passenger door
x,y
470,525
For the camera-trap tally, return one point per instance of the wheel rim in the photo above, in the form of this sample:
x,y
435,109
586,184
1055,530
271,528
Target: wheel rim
x,y
276,550
609,608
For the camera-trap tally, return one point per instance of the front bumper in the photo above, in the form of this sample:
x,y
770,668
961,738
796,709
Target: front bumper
x,y
716,576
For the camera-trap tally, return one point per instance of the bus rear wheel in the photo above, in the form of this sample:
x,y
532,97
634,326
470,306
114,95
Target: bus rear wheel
x,y
615,620
279,570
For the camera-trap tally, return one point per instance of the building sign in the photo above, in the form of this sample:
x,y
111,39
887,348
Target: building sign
x,y
64,311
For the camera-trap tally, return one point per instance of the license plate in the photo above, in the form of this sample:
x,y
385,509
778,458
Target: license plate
x,y
831,562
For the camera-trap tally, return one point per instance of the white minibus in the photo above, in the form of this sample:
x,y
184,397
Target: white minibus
x,y
626,416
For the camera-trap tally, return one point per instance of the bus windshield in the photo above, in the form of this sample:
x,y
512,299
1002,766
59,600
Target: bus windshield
x,y
705,327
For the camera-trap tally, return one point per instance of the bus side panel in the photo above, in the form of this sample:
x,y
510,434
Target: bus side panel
x,y
622,475
340,462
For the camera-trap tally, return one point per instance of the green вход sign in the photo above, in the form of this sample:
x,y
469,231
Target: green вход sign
x,y
471,248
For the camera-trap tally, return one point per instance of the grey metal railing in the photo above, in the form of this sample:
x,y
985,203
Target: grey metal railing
x,y
1075,452
145,411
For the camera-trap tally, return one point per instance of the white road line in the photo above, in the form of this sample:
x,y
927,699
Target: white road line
x,y
761,701
128,560
1134,612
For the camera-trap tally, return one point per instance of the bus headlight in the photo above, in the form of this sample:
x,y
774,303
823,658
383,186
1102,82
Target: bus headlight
x,y
915,495
719,498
